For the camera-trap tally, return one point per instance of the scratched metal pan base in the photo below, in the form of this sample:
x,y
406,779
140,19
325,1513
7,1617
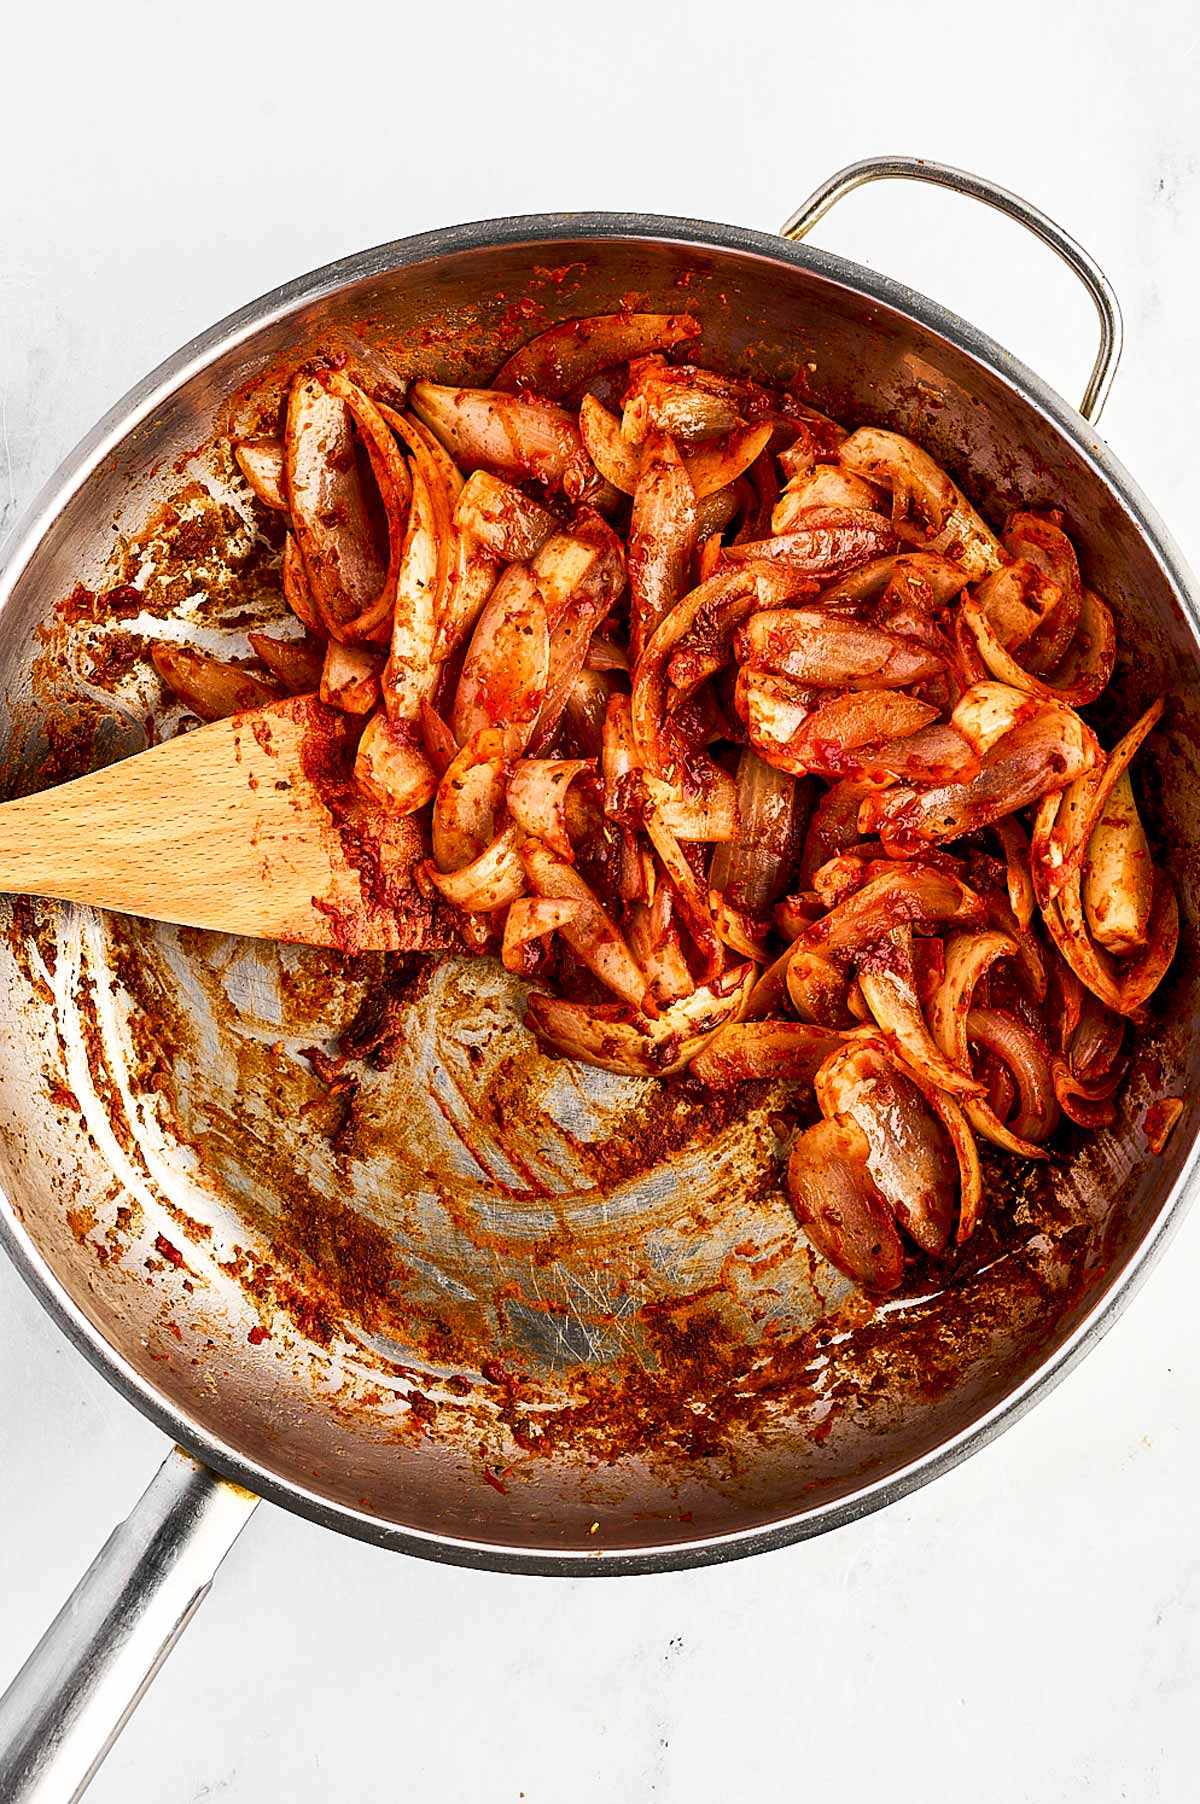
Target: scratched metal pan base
x,y
489,1306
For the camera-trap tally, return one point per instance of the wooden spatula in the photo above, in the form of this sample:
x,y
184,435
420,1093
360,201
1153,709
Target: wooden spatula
x,y
250,826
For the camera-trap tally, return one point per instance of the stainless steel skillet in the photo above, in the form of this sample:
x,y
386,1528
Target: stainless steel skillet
x,y
493,1310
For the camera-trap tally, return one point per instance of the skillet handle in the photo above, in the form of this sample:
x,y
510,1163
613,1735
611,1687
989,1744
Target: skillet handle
x,y
83,1680
941,175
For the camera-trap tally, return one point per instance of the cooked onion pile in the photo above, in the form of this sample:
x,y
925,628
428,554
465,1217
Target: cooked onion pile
x,y
743,737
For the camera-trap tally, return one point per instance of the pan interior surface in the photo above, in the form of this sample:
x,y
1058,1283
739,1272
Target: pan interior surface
x,y
460,1292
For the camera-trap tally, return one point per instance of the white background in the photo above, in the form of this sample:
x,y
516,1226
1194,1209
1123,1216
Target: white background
x,y
1027,1629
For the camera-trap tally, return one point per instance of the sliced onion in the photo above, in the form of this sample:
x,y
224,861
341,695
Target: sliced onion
x,y
213,688
1065,923
710,814
527,927
824,543
657,747
817,987
394,483
1125,988
705,812
770,993
839,1205
644,1046
1071,999
968,956
654,942
439,741
517,436
825,485
503,681
493,880
296,591
350,677
714,465
970,1172
615,456
687,402
776,712
261,463
1087,664
471,572
1039,540
568,653
922,580
833,651
833,827
719,606
439,468
746,934
573,616
502,518
569,354
1046,751
937,753
713,515
753,870
662,538
840,876
911,1159
443,489
1144,972
584,712
1092,654
1015,840
344,570
392,767
468,801
815,439
1028,1059
591,935
1016,599
1062,830
690,894
1088,1104
537,798
954,529
1094,1043
1118,877
296,663
605,653
568,560
887,981
706,645
838,728
787,1051
986,711
922,897
411,673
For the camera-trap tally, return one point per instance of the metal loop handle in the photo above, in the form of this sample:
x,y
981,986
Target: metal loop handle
x,y
941,175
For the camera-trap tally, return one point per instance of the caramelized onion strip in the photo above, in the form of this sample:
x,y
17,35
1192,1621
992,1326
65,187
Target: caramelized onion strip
x,y
493,880
591,935
537,798
840,1206
643,1046
573,351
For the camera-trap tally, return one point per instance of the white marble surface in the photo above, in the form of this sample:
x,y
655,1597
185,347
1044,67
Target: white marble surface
x,y
1027,1629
